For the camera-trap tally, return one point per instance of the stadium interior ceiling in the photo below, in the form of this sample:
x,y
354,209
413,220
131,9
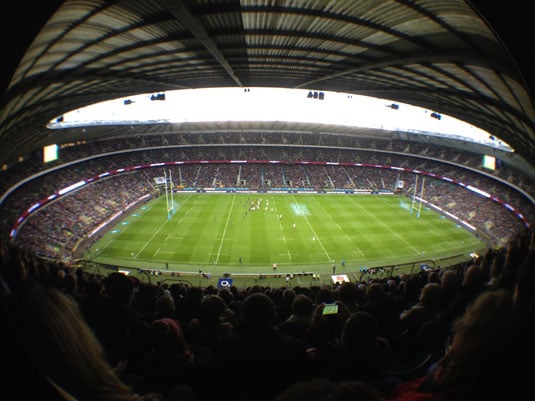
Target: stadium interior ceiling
x,y
440,55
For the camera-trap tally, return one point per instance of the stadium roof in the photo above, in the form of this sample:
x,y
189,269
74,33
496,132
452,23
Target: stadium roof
x,y
440,55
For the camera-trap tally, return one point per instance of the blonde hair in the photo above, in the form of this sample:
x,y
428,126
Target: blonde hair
x,y
64,347
490,316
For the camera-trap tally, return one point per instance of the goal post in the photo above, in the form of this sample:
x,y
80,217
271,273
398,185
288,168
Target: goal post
x,y
169,198
421,197
414,192
417,206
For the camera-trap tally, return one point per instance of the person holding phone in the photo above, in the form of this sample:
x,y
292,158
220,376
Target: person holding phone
x,y
323,338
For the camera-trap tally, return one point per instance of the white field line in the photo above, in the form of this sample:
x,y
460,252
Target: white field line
x,y
155,233
387,227
448,239
358,251
315,235
116,237
225,229
151,238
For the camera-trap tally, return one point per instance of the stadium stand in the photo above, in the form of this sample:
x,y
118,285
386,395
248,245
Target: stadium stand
x,y
134,331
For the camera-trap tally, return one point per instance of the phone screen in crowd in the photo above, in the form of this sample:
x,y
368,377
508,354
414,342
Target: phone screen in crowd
x,y
330,309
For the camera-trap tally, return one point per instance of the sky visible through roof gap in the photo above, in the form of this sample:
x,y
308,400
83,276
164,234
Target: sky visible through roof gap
x,y
274,104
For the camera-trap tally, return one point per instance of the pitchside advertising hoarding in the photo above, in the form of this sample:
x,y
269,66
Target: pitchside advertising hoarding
x,y
224,282
339,278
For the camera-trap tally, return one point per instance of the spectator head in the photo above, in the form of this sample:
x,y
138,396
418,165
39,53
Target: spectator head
x,y
430,294
165,306
392,285
479,336
258,312
226,295
211,308
348,292
288,295
375,292
168,339
360,329
324,295
119,288
473,276
166,329
93,288
433,277
449,280
302,305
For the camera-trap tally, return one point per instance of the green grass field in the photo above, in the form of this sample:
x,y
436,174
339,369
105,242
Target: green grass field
x,y
212,232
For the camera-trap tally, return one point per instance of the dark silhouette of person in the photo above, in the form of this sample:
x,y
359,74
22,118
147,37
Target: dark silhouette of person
x,y
255,346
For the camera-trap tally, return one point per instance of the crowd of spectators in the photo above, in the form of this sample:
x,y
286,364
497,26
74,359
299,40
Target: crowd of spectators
x,y
246,152
158,137
442,334
56,229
